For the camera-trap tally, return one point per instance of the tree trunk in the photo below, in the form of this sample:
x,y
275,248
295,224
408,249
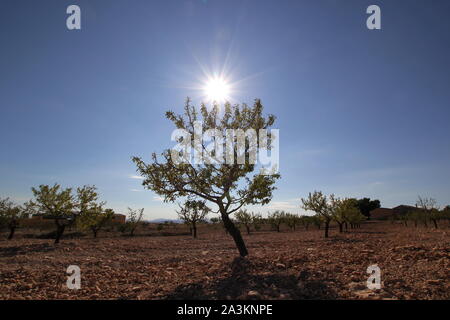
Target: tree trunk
x,y
95,232
340,227
435,223
59,232
235,233
194,230
327,226
11,232
248,229
346,226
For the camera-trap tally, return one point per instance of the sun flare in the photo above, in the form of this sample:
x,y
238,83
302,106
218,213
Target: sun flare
x,y
217,89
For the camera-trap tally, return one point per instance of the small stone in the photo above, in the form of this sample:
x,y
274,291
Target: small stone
x,y
253,294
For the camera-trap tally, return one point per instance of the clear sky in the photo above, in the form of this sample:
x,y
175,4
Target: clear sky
x,y
361,113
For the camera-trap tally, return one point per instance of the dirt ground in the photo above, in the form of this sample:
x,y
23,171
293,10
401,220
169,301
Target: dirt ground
x,y
298,264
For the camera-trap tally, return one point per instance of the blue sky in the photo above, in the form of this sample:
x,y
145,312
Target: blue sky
x,y
360,112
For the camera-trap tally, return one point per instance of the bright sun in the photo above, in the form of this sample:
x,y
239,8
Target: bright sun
x,y
217,89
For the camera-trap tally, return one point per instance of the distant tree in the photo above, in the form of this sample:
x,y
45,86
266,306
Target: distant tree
x,y
354,217
446,213
215,220
57,204
192,212
94,219
245,218
229,185
365,205
323,206
292,220
257,221
429,207
340,214
305,221
133,220
10,215
414,216
317,221
91,215
277,218
345,212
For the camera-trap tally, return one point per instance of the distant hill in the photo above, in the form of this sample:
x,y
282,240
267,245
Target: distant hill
x,y
165,220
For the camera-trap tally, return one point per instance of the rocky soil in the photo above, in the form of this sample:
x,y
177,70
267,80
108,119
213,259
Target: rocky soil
x,y
298,264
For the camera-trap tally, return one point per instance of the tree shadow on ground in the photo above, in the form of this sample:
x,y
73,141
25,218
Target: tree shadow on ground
x,y
245,283
18,250
52,235
367,232
159,234
345,240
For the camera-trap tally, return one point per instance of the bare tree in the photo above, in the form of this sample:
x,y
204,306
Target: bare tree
x,y
430,208
133,219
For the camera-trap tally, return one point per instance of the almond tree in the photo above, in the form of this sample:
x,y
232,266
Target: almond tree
x,y
316,221
63,206
94,219
276,219
257,220
245,218
133,219
227,185
340,213
345,211
57,204
305,221
193,212
323,206
354,217
91,215
10,214
292,220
